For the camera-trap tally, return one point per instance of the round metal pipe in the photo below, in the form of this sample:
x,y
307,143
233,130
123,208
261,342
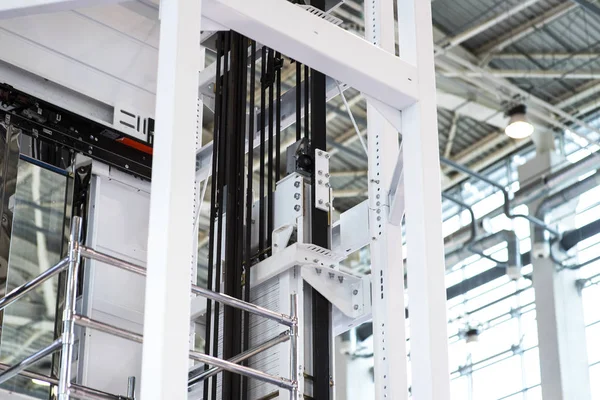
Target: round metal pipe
x,y
27,287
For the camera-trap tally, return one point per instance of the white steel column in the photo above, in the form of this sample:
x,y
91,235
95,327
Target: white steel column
x,y
564,364
387,269
426,270
170,239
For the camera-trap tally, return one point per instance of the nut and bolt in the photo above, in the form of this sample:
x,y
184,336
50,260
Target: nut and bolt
x,y
320,181
355,292
297,184
318,271
320,201
296,207
356,306
378,218
297,196
326,155
320,153
331,275
326,175
320,172
341,279
326,204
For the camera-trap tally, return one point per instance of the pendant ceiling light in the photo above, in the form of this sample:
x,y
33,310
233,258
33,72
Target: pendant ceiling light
x,y
518,126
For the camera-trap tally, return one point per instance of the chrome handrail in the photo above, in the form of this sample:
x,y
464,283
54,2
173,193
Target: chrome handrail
x,y
70,319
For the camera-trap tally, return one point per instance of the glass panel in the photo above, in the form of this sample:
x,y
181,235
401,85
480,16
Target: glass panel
x,y
37,244
498,380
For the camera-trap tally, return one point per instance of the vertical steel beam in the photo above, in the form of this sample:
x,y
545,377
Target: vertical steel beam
x,y
426,271
170,242
564,364
389,336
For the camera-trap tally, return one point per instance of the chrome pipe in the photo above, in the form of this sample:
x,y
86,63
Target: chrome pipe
x,y
245,306
222,298
78,391
245,371
106,328
27,287
29,361
281,338
68,331
131,387
86,393
294,348
115,262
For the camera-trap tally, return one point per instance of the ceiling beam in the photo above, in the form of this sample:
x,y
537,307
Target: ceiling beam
x,y
21,8
477,29
525,29
589,6
525,74
553,56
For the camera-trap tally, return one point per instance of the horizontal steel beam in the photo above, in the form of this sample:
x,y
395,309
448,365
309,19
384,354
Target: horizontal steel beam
x,y
526,74
376,72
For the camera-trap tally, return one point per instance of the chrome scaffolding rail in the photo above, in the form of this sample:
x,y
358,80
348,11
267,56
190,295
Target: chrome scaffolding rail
x,y
68,390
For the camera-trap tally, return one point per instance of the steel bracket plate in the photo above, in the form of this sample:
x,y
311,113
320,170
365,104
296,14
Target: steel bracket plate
x,y
322,185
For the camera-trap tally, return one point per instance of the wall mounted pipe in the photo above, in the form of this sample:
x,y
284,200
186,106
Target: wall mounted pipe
x,y
505,194
513,262
533,190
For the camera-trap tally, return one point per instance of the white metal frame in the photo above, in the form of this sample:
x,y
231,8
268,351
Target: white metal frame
x,y
405,83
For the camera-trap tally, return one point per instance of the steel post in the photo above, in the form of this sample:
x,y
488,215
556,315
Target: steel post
x,y
68,332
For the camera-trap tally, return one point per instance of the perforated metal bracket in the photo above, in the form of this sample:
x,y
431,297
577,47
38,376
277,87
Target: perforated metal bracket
x,y
349,293
322,185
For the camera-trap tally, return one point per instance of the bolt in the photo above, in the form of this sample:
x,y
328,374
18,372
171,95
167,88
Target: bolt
x,y
275,245
326,204
320,153
296,207
126,166
331,266
341,279
326,175
379,211
377,196
92,137
297,196
356,306
378,204
320,181
320,172
326,155
320,201
331,275
327,185
297,184
355,292
318,271
378,218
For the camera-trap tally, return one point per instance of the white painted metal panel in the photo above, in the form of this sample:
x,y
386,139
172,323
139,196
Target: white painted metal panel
x,y
118,226
84,55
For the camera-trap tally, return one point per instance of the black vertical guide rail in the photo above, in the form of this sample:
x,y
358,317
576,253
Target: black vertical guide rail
x,y
236,117
321,309
298,101
261,201
223,145
213,201
270,214
306,108
249,201
278,65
